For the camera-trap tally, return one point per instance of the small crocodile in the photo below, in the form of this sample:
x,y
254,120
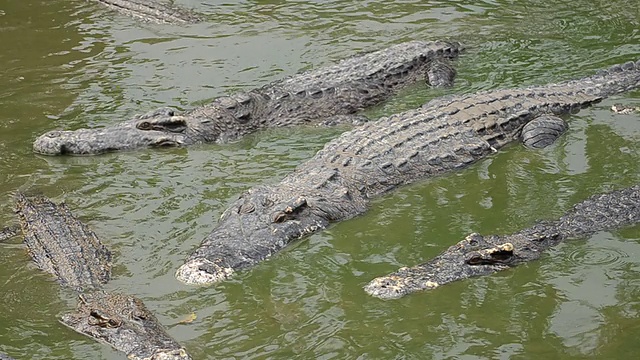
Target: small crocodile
x,y
326,95
446,134
152,11
62,245
479,255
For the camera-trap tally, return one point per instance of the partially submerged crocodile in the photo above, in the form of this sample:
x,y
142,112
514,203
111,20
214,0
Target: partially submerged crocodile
x,y
479,255
152,11
339,181
62,245
65,247
124,322
625,109
330,95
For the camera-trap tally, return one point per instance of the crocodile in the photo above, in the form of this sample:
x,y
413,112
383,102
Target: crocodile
x,y
338,183
624,109
9,232
479,255
152,11
124,322
329,95
62,245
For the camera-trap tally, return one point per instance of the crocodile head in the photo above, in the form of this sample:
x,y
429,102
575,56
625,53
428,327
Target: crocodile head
x,y
476,255
160,128
124,322
260,223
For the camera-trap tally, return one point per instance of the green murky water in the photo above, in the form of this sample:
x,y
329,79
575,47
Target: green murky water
x,y
70,64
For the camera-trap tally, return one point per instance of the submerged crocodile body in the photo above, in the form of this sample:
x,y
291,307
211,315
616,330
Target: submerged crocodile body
x,y
65,247
152,11
62,245
479,255
339,181
328,95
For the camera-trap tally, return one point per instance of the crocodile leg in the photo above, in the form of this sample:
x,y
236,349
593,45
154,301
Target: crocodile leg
x,y
543,131
479,255
441,73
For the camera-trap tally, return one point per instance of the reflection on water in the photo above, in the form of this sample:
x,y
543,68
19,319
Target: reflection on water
x,y
72,64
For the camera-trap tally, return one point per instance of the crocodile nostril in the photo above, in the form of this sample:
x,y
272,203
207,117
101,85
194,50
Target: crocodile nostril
x,y
53,134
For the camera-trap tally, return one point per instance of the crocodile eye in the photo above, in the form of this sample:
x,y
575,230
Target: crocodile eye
x,y
98,315
279,218
246,208
144,125
475,259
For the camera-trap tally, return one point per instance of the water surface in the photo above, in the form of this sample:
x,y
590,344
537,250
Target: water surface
x,y
72,64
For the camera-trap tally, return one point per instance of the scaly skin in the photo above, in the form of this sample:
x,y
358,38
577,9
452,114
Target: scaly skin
x,y
543,131
623,109
337,184
479,255
9,232
152,11
62,245
326,95
125,323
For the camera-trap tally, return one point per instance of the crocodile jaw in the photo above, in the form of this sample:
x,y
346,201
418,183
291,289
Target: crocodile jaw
x,y
201,271
99,141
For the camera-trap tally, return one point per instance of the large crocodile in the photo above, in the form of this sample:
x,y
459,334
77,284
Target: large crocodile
x,y
65,247
368,161
330,94
152,11
479,255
